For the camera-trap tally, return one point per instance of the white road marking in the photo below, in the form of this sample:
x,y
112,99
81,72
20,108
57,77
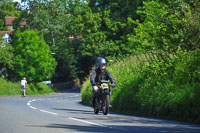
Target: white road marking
x,y
92,123
84,121
49,112
32,107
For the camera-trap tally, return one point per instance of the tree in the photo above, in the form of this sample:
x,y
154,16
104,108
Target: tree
x,y
7,8
33,57
167,26
6,58
116,22
54,20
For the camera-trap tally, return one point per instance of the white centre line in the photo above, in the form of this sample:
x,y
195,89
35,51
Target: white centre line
x,y
49,112
92,123
32,107
84,121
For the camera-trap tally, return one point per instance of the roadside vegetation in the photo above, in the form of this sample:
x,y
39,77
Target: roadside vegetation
x,y
8,88
63,38
167,89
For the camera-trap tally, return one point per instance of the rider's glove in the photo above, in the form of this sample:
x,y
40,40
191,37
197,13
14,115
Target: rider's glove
x,y
113,85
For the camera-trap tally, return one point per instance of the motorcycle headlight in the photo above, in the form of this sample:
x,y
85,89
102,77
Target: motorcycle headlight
x,y
104,86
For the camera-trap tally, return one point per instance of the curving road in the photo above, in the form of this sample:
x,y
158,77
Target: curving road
x,y
63,113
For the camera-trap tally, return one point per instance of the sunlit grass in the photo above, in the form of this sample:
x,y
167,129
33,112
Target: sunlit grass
x,y
167,87
13,88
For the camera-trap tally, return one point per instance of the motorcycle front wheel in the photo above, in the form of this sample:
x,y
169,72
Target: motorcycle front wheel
x,y
105,108
96,106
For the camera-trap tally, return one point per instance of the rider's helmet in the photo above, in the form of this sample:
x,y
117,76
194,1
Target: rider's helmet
x,y
102,63
23,78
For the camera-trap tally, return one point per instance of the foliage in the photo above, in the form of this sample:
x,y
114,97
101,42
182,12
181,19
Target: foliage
x,y
165,89
114,29
172,88
35,89
86,91
56,22
167,26
9,88
7,9
102,30
6,58
13,88
33,57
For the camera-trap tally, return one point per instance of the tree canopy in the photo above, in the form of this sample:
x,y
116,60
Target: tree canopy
x,y
113,29
7,9
167,27
33,57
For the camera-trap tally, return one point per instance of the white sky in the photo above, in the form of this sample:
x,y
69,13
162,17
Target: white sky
x,y
17,1
22,4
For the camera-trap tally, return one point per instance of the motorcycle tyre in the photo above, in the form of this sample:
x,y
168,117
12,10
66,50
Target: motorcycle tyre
x,y
96,107
105,109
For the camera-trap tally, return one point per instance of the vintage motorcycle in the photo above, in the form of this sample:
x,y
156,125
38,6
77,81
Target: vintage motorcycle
x,y
102,100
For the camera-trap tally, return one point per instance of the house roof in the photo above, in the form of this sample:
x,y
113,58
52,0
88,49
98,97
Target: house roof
x,y
9,20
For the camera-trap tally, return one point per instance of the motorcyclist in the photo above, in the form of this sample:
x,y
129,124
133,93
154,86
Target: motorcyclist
x,y
100,73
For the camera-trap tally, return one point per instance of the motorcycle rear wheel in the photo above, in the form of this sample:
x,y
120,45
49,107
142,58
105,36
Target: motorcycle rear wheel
x,y
105,108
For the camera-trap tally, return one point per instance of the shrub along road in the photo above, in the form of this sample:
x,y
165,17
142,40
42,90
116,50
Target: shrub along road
x,y
63,112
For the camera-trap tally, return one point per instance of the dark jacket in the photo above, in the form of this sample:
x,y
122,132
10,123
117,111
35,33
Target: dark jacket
x,y
97,76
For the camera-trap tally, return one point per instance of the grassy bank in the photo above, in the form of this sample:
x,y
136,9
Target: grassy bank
x,y
12,89
167,89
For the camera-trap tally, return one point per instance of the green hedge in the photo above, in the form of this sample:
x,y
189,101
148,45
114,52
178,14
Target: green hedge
x,y
164,89
12,89
9,88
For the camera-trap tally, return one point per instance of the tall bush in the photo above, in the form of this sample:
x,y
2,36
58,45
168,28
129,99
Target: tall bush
x,y
33,57
167,88
171,88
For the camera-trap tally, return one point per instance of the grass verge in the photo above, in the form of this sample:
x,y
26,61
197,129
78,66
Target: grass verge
x,y
167,89
8,88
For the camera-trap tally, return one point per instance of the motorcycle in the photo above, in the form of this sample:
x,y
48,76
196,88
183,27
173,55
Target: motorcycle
x,y
102,99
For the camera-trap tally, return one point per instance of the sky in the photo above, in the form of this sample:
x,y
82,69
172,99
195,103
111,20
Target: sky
x,y
22,4
17,1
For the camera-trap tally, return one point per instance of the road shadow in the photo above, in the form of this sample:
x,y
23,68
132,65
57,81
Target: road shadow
x,y
78,111
139,123
77,128
117,128
72,90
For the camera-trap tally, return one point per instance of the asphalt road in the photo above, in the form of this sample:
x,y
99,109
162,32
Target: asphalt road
x,y
63,113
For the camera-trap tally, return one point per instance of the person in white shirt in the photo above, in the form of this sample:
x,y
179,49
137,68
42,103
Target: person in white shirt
x,y
23,85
